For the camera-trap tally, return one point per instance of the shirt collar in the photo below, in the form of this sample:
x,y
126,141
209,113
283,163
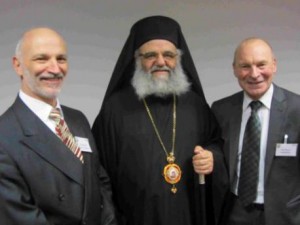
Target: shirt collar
x,y
266,99
40,108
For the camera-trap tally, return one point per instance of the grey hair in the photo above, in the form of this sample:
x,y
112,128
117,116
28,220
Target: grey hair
x,y
18,51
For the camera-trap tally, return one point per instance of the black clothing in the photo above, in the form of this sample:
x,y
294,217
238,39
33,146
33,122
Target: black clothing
x,y
130,150
134,159
42,181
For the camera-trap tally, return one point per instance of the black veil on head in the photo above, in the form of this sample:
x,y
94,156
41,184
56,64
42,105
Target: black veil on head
x,y
149,28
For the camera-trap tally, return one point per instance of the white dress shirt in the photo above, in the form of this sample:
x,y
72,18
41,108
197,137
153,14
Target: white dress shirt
x,y
40,109
264,116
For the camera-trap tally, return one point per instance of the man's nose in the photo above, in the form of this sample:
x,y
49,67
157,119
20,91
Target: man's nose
x,y
160,61
54,67
254,72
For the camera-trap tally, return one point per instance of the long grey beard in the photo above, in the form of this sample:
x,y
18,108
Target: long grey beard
x,y
145,84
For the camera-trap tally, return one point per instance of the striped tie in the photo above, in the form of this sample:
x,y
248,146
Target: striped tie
x,y
63,132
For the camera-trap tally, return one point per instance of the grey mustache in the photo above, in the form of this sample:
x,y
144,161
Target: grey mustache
x,y
51,76
154,68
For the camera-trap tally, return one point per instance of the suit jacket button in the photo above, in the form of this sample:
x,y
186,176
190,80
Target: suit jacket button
x,y
61,197
101,206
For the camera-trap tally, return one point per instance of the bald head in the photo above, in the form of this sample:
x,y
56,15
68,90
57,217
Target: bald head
x,y
34,35
250,43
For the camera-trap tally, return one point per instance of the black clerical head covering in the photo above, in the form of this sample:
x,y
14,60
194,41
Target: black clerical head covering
x,y
149,28
155,27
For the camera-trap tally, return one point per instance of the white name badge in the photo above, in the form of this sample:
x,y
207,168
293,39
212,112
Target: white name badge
x,y
83,144
284,149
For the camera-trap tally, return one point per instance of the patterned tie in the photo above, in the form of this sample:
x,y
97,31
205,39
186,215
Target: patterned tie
x,y
250,157
64,133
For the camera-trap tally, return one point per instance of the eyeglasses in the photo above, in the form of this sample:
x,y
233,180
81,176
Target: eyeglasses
x,y
152,56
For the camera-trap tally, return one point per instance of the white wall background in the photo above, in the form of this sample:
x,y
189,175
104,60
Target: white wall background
x,y
96,30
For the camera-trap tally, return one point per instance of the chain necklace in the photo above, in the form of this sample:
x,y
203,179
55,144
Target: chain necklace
x,y
172,172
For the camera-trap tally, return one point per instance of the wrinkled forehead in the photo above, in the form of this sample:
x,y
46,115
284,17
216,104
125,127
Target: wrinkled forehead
x,y
43,41
253,49
157,45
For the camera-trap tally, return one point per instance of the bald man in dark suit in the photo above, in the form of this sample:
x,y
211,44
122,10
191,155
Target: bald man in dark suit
x,y
42,181
276,199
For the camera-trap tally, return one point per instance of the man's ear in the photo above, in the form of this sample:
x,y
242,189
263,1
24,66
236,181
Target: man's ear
x,y
17,66
234,69
274,65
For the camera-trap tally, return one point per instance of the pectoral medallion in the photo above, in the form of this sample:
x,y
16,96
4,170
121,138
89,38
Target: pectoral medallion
x,y
172,173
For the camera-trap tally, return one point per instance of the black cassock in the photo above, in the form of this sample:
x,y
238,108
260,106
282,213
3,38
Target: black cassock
x,y
134,159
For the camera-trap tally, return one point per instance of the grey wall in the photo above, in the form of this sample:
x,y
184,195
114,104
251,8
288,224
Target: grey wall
x,y
96,31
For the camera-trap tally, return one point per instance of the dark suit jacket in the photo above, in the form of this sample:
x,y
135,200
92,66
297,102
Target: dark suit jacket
x,y
282,174
41,180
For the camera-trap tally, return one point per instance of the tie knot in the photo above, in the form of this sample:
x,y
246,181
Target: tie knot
x,y
55,115
255,105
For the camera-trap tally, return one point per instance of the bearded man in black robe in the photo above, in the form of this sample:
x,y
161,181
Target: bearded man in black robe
x,y
153,120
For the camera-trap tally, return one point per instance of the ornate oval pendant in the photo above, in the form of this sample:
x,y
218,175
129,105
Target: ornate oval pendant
x,y
172,175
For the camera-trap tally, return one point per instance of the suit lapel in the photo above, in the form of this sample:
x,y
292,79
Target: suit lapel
x,y
40,139
235,126
278,107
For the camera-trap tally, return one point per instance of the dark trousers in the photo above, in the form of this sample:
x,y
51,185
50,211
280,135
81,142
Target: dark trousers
x,y
240,215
